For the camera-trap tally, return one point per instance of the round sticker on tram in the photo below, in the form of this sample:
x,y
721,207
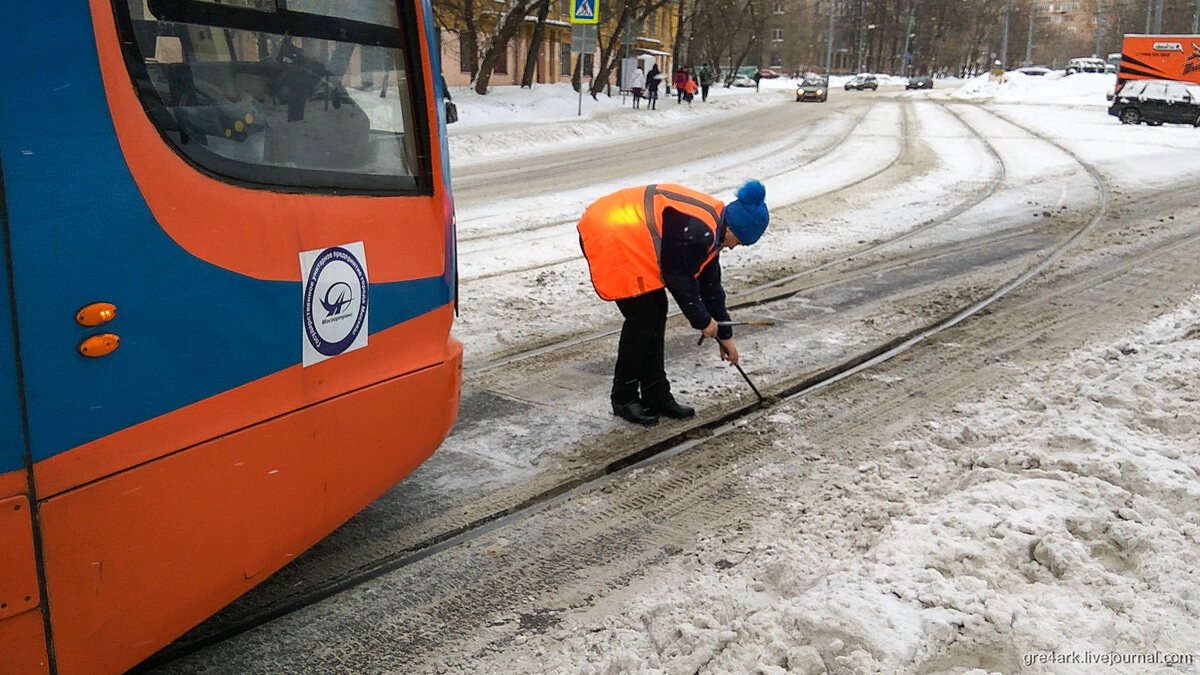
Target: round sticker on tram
x,y
335,301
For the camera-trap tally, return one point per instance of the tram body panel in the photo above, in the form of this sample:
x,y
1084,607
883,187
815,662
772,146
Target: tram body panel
x,y
23,644
199,456
238,498
12,441
198,329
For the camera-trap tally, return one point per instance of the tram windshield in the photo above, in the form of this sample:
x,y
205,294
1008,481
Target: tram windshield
x,y
307,94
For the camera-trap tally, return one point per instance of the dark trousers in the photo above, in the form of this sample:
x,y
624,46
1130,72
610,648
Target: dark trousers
x,y
640,352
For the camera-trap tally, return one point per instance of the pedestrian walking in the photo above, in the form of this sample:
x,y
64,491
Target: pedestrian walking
x,y
706,79
652,80
642,242
680,81
689,89
757,77
637,82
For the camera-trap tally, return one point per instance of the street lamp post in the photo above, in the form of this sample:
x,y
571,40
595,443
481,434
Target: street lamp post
x,y
862,46
907,58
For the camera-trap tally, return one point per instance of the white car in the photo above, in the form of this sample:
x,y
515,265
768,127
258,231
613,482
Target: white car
x,y
1086,66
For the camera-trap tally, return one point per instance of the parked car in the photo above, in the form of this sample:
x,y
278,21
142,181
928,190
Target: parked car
x,y
1086,66
1157,101
813,88
743,81
919,82
769,74
1036,71
861,82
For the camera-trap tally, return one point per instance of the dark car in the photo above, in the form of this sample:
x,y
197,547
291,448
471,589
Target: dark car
x,y
861,82
1157,101
813,89
919,82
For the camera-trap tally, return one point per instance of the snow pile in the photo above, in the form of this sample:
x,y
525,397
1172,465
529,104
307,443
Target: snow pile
x,y
1069,529
511,120
1052,88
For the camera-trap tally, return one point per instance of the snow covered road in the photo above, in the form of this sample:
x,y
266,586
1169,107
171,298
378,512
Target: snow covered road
x,y
1024,484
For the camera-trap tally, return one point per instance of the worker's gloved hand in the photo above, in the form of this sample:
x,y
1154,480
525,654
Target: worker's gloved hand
x,y
729,351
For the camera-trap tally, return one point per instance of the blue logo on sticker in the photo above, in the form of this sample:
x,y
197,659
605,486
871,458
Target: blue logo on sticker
x,y
332,285
335,305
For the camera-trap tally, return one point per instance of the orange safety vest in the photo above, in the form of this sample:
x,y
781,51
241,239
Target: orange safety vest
x,y
624,248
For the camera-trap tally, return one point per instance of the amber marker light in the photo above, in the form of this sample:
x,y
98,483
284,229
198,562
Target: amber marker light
x,y
99,345
96,314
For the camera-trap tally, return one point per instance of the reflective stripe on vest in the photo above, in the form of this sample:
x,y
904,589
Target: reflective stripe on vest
x,y
624,248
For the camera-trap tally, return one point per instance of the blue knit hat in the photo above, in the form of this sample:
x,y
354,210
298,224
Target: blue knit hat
x,y
747,215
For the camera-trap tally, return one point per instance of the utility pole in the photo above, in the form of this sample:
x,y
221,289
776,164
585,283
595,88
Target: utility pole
x,y
908,36
1158,11
1029,41
862,34
1099,27
1004,42
829,45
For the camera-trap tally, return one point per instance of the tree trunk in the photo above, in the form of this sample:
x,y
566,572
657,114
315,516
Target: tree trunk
x,y
677,48
471,43
497,44
535,44
608,50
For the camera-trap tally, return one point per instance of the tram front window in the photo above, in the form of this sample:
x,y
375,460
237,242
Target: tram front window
x,y
317,95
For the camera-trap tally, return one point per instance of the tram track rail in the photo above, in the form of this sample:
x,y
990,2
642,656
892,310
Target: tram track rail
x,y
552,229
688,436
785,286
964,203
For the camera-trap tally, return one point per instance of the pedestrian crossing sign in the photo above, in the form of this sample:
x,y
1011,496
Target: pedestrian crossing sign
x,y
584,11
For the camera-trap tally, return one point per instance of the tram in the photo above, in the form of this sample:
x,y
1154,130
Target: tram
x,y
229,279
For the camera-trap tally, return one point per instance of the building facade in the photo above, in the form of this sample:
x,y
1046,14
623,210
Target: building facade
x,y
649,40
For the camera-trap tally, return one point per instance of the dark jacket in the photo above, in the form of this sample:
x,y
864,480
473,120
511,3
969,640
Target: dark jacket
x,y
686,244
652,79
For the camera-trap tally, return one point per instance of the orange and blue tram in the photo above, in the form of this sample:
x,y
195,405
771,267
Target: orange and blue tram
x,y
229,280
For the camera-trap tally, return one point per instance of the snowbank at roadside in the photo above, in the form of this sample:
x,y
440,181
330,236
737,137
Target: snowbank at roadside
x,y
1072,534
1052,88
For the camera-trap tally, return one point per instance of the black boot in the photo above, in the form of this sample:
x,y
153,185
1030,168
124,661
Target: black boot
x,y
671,408
658,400
634,412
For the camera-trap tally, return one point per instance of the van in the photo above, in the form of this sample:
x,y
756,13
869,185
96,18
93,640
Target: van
x,y
1159,57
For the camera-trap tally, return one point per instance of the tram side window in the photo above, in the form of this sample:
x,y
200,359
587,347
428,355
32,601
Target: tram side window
x,y
317,96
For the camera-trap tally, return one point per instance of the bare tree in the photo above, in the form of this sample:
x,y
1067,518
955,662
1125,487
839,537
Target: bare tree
x,y
626,11
496,45
458,17
535,44
726,33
